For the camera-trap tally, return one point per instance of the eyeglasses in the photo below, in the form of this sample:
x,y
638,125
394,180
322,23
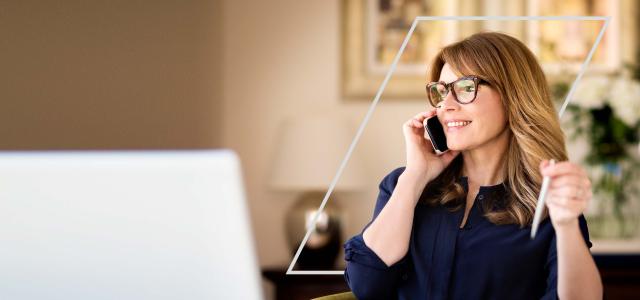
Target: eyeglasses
x,y
465,90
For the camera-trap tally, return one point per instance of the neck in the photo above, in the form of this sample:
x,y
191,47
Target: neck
x,y
484,165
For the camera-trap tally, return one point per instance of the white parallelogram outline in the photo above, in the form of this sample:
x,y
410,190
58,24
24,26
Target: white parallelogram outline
x,y
583,68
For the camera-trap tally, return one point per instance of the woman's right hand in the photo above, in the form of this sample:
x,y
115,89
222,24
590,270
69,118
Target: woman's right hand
x,y
421,159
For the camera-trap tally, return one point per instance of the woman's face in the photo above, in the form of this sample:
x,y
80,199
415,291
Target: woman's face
x,y
487,116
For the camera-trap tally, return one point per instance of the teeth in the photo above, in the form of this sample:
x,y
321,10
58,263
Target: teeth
x,y
458,124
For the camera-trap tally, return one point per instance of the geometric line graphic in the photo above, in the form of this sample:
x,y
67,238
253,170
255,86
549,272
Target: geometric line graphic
x,y
372,107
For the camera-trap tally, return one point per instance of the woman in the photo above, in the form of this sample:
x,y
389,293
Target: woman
x,y
457,226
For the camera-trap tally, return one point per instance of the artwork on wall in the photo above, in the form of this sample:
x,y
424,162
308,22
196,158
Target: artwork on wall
x,y
373,31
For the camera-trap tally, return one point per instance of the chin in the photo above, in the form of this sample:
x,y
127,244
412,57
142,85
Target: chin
x,y
457,147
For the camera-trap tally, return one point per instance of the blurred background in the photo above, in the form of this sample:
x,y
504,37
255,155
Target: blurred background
x,y
286,84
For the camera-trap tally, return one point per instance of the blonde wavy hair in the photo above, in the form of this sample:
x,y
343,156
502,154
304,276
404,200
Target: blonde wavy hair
x,y
535,134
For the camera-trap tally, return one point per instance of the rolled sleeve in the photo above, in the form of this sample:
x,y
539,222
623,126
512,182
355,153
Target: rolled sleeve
x,y
552,261
551,268
584,229
366,274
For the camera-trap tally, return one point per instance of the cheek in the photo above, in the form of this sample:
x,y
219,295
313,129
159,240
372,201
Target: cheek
x,y
492,117
490,128
495,120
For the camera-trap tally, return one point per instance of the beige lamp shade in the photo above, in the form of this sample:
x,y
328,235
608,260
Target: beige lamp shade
x,y
309,152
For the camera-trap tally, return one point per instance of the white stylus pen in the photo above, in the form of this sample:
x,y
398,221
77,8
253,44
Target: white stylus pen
x,y
546,180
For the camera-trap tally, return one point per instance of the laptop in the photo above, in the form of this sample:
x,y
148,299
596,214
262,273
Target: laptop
x,y
125,225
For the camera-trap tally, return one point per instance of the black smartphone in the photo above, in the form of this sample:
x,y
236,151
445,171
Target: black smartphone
x,y
436,134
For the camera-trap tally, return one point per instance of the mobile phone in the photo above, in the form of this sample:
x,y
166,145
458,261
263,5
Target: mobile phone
x,y
436,134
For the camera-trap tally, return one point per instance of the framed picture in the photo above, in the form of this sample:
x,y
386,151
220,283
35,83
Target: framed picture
x,y
562,46
373,31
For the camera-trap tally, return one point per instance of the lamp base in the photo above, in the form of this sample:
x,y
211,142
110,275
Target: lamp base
x,y
323,246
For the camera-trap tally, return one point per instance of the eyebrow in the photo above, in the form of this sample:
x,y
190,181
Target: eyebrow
x,y
463,76
450,81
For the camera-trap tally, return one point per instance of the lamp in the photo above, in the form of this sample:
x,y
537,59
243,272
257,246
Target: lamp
x,y
309,154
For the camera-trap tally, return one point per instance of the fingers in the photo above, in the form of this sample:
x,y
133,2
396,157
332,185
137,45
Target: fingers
x,y
425,115
543,164
568,192
566,174
571,180
418,120
572,204
412,123
560,168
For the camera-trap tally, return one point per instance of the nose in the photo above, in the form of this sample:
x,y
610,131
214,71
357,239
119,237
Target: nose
x,y
449,102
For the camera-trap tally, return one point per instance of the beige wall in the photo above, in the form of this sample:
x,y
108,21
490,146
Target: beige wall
x,y
110,74
281,59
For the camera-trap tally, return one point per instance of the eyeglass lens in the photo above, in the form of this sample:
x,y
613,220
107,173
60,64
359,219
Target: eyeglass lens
x,y
464,90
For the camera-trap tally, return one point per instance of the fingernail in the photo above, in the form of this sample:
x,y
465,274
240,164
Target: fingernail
x,y
549,164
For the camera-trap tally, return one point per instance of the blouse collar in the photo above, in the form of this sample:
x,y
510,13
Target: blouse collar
x,y
483,188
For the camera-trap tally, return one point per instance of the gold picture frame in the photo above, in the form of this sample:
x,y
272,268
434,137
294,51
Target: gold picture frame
x,y
368,48
358,82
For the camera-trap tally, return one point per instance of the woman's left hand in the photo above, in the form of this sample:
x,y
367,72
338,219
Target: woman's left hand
x,y
569,192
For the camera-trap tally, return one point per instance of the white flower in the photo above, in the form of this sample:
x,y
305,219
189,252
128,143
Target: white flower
x,y
624,98
591,92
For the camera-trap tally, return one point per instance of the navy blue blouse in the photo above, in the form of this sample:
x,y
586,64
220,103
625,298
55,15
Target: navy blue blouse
x,y
479,261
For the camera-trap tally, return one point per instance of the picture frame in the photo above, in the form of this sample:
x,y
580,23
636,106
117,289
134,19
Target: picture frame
x,y
372,32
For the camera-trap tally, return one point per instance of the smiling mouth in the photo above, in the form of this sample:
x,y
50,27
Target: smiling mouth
x,y
455,125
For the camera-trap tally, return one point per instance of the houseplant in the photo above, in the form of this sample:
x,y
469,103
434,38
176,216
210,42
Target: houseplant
x,y
604,113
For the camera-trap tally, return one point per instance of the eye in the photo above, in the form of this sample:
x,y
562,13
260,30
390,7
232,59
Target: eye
x,y
466,85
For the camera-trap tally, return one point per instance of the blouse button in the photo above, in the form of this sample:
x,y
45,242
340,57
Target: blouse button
x,y
405,276
481,197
